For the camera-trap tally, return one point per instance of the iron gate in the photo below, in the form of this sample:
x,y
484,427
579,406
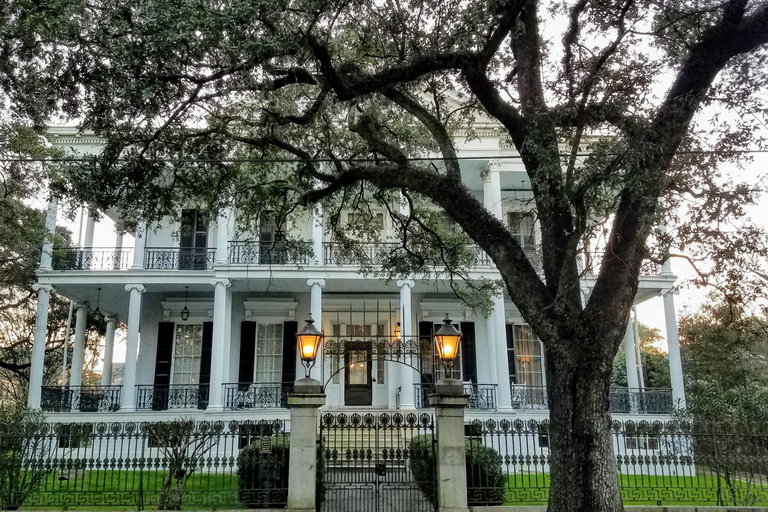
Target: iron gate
x,y
377,463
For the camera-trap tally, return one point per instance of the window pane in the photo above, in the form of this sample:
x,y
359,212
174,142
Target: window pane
x,y
187,353
528,367
269,353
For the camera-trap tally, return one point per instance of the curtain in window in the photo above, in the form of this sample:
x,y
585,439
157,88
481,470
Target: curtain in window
x,y
187,353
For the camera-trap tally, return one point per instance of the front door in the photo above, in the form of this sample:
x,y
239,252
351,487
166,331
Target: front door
x,y
358,386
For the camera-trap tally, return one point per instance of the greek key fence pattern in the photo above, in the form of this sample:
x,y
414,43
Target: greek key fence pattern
x,y
658,463
146,465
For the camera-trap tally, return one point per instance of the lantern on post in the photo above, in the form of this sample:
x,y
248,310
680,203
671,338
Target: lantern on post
x,y
308,340
447,341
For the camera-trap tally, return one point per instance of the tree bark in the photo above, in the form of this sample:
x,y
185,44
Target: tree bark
x,y
583,475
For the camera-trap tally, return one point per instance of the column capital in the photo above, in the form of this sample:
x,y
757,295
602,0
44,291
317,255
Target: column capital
x,y
46,287
135,286
313,282
674,290
221,280
485,175
110,318
82,305
494,166
410,283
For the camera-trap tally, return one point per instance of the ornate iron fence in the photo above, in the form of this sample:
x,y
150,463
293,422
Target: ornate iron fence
x,y
256,395
92,258
80,398
658,463
177,465
175,396
250,252
179,258
481,396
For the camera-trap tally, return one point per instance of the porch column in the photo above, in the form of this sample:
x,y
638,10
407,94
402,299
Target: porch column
x,y
490,347
38,348
222,237
90,227
407,339
638,354
500,352
673,346
140,239
46,258
629,353
494,186
219,344
316,308
128,393
317,235
78,349
109,345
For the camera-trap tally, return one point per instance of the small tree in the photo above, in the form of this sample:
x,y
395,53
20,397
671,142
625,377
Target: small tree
x,y
184,444
22,454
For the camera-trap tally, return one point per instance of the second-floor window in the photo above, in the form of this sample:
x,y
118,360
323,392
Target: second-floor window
x,y
187,354
522,226
193,240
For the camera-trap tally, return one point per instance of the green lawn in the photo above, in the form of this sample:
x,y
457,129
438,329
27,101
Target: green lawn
x,y
531,489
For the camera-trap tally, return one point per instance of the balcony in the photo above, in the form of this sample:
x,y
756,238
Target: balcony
x,y
80,398
374,253
250,252
92,258
175,396
621,400
179,258
481,396
592,261
244,396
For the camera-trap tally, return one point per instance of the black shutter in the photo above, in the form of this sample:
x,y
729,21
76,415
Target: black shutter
x,y
468,352
205,366
289,351
247,353
425,348
511,354
162,366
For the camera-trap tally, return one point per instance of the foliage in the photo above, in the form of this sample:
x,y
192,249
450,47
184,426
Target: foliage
x,y
21,441
263,477
486,481
183,444
654,362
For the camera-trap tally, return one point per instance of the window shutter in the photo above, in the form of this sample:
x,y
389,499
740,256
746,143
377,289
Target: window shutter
x,y
163,359
511,354
289,351
468,351
205,366
425,335
247,353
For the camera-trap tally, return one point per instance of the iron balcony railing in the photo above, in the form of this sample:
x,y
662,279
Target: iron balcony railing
x,y
592,261
261,395
621,400
80,398
374,253
179,258
92,258
254,252
481,396
174,396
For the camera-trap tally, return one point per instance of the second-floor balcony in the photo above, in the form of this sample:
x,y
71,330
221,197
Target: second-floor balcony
x,y
179,258
92,258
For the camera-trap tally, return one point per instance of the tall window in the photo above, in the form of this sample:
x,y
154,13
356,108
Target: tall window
x,y
187,352
525,361
269,353
522,227
193,240
270,248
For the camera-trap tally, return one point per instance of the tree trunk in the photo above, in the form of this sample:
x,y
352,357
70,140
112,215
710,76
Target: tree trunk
x,y
583,475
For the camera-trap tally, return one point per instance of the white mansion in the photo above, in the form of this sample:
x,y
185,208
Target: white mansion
x,y
211,318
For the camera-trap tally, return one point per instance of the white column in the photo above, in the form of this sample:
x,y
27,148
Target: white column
x,y
118,241
222,236
128,392
38,348
629,353
78,350
219,344
673,345
638,354
494,169
407,337
490,348
500,352
46,258
109,345
316,308
90,227
317,234
140,237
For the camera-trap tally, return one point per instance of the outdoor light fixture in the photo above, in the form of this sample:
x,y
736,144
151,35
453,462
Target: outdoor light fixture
x,y
447,340
97,314
309,339
185,311
397,332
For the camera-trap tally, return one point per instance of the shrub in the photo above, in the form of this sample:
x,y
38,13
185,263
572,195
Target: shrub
x,y
22,454
486,481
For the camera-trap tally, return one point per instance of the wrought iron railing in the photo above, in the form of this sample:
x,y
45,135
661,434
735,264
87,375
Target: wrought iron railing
x,y
174,396
483,260
481,396
179,258
529,397
92,258
80,398
256,395
641,401
592,261
250,252
371,253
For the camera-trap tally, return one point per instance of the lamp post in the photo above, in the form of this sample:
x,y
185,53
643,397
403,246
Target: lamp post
x,y
447,341
308,340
